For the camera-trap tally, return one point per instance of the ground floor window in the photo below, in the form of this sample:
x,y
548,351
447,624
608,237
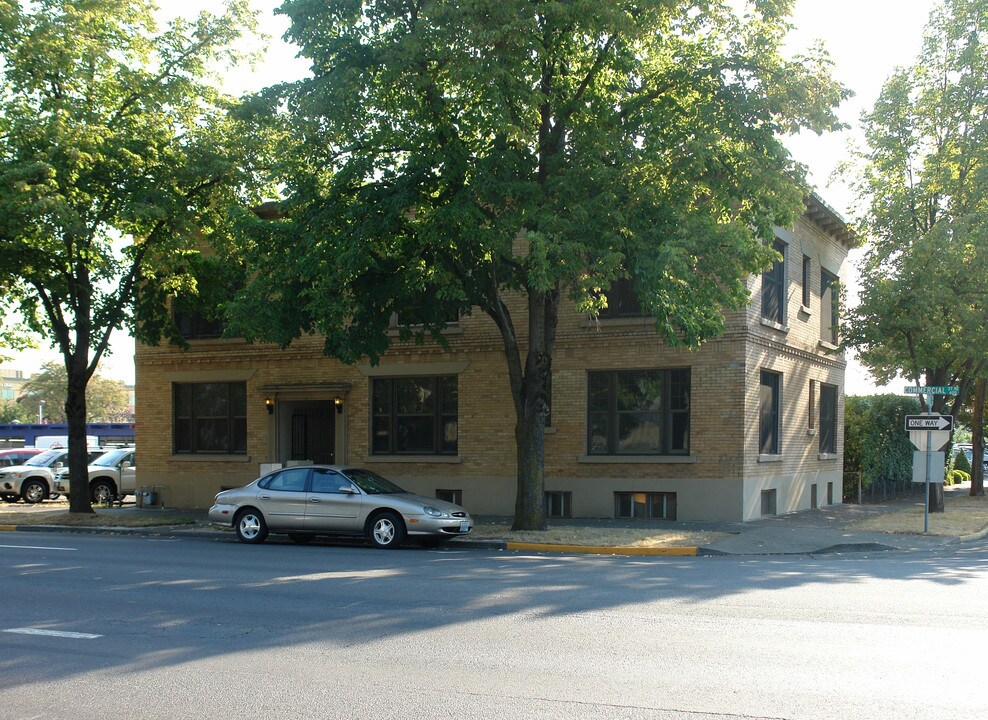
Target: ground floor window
x,y
828,419
210,418
558,504
638,412
654,505
769,419
414,415
453,496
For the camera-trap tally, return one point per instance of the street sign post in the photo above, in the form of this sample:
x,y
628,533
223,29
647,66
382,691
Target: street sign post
x,y
937,429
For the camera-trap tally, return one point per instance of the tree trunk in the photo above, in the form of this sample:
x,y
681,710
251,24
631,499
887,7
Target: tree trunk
x,y
978,439
936,497
75,415
530,443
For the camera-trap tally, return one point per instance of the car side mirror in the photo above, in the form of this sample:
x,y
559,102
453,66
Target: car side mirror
x,y
347,490
58,466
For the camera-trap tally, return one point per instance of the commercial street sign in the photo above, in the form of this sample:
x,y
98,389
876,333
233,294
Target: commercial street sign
x,y
930,422
933,390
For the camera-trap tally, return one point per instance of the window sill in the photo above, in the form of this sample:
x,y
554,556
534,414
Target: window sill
x,y
450,329
194,457
637,459
618,322
827,456
446,459
774,325
829,346
769,458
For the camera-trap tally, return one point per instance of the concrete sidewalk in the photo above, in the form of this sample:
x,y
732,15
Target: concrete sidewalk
x,y
825,530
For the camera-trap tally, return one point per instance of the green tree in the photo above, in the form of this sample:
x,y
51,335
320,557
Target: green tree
x,y
452,156
106,400
116,160
875,445
14,412
924,191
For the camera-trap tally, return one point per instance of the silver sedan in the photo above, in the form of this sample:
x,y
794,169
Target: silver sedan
x,y
328,500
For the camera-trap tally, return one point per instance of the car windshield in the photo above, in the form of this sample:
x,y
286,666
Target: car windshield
x,y
372,483
45,459
109,459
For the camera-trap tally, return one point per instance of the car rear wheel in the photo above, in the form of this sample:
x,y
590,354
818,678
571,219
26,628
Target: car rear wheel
x,y
386,530
250,526
34,491
102,492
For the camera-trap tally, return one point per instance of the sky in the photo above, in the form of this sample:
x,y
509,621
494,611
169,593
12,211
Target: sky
x,y
867,40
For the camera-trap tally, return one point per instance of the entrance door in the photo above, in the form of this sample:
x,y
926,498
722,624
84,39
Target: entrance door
x,y
312,434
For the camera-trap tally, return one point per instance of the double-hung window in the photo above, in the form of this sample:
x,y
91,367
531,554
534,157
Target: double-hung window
x,y
769,403
414,416
828,419
638,412
210,418
828,307
622,300
774,287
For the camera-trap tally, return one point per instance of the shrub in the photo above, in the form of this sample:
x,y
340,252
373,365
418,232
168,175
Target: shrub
x,y
961,462
956,477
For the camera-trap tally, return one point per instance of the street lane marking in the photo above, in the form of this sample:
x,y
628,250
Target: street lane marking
x,y
53,633
38,547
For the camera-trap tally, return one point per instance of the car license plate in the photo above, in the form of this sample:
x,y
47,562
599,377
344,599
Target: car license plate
x,y
464,526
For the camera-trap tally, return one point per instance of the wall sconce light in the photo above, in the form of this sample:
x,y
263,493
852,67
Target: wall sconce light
x,y
269,404
338,402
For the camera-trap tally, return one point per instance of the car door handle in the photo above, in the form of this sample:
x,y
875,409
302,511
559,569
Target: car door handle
x,y
265,497
314,500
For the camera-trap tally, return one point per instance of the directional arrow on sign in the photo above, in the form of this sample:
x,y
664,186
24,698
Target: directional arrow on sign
x,y
929,422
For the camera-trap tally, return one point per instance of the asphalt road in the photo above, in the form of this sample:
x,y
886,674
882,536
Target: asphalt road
x,y
137,627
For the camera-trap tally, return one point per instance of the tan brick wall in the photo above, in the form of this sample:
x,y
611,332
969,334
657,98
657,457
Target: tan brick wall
x,y
722,477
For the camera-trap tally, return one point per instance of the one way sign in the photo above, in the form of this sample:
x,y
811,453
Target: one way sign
x,y
930,422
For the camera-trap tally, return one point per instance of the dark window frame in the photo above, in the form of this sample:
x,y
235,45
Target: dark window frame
x,y
186,404
828,419
770,415
829,306
674,411
807,275
391,429
774,287
622,301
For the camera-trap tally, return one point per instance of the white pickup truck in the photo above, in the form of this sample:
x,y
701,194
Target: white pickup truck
x,y
33,481
112,476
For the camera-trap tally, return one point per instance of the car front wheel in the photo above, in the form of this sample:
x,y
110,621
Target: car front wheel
x,y
387,531
102,493
34,491
250,526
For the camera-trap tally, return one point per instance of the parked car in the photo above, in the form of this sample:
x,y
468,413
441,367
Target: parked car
x,y
112,476
968,451
17,456
34,480
328,500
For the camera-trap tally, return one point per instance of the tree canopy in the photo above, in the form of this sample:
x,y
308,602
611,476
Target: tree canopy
x,y
116,158
447,156
924,188
107,400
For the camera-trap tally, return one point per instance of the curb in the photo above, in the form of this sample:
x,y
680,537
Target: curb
x,y
682,551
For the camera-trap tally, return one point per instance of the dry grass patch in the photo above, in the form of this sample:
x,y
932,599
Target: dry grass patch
x,y
598,536
963,515
46,514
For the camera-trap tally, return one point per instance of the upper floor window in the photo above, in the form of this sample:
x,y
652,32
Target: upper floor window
x,y
769,420
414,415
828,419
774,287
210,418
638,412
828,307
622,300
807,285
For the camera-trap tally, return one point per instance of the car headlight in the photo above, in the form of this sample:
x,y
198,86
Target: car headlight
x,y
434,512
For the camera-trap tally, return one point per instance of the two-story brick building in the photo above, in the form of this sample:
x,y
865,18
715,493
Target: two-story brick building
x,y
751,424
